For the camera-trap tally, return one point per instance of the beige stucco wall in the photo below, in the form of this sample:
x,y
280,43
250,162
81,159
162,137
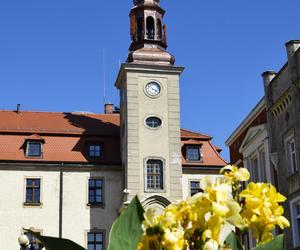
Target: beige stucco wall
x,y
141,143
78,218
14,216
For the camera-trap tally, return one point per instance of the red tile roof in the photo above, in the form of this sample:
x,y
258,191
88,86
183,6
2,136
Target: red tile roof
x,y
65,137
191,134
59,123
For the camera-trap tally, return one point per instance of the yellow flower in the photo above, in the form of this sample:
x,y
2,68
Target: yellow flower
x,y
262,211
235,174
211,245
173,239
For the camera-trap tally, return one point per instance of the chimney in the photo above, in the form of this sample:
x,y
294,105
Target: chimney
x,y
108,108
18,108
291,47
268,76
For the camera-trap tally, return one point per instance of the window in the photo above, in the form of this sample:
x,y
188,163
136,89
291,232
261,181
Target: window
x,y
254,168
140,28
295,212
95,191
292,155
150,27
193,153
95,241
34,149
153,122
155,175
195,187
33,191
262,166
33,242
94,150
159,29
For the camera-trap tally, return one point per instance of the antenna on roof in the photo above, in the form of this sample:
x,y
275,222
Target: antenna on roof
x,y
104,76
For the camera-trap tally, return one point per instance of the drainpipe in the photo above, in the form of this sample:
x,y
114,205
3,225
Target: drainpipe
x,y
61,184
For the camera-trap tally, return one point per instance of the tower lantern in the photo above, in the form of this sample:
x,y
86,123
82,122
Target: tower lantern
x,y
148,33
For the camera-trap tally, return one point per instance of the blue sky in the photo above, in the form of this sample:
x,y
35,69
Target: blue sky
x,y
51,55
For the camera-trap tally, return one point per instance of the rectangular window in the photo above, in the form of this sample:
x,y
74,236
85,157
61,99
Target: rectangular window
x,y
292,156
295,209
96,191
95,241
155,175
254,169
33,191
94,150
34,149
262,166
195,187
33,243
193,153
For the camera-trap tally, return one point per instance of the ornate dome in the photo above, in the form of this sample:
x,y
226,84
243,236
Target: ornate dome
x,y
139,2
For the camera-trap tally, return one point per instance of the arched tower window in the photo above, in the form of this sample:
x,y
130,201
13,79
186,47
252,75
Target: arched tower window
x,y
140,28
150,27
159,29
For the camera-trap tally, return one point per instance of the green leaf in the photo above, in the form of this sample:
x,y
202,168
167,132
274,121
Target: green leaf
x,y
52,243
233,242
126,230
276,244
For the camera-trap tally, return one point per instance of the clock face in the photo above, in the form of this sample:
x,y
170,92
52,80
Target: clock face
x,y
153,88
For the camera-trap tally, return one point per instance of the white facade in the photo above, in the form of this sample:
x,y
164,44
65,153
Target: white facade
x,y
78,218
255,151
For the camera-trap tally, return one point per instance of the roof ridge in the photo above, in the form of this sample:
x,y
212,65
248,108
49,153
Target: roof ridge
x,y
55,112
195,132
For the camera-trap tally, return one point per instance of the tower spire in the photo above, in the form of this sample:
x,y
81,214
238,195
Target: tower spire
x,y
148,34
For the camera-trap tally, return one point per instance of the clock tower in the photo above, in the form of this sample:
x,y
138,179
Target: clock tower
x,y
150,111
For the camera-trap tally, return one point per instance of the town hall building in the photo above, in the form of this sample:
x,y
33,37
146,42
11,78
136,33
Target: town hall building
x,y
68,174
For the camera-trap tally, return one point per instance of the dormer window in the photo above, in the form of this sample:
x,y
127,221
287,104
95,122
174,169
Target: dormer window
x,y
34,149
34,146
193,153
94,150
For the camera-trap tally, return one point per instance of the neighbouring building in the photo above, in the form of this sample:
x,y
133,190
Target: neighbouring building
x,y
276,130
282,95
68,174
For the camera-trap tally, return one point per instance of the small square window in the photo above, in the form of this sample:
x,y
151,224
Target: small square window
x,y
193,153
94,150
195,187
33,191
96,191
95,241
34,149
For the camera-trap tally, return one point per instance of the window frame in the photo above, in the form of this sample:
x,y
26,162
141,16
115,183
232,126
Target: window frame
x,y
28,142
96,204
152,190
291,155
190,187
156,117
188,147
95,231
32,204
294,219
94,143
